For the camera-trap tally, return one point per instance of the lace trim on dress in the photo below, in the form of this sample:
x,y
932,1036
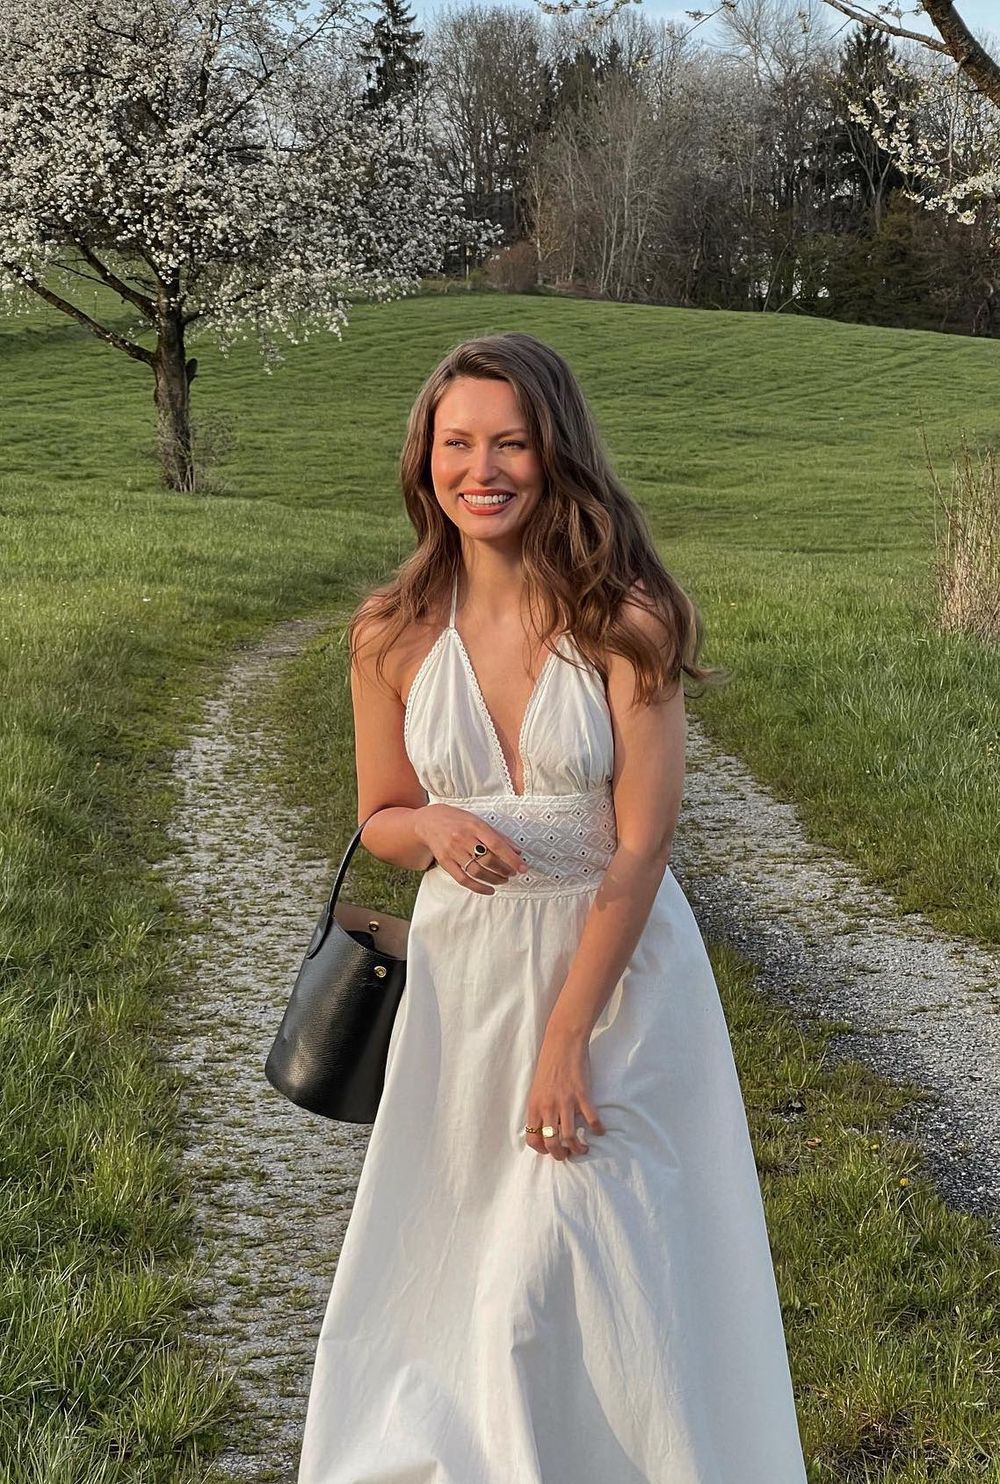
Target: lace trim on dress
x,y
567,840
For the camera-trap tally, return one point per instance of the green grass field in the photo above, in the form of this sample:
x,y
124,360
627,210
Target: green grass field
x,y
780,464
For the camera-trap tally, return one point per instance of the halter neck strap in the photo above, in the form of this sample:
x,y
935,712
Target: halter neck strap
x,y
454,600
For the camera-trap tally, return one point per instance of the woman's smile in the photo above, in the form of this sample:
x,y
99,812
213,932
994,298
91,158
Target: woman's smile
x,y
486,502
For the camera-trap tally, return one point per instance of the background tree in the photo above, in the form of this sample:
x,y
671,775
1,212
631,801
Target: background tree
x,y
940,124
488,94
214,167
859,173
602,165
780,193
953,39
395,68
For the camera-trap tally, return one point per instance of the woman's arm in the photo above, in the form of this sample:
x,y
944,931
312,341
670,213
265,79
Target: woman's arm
x,y
386,780
647,783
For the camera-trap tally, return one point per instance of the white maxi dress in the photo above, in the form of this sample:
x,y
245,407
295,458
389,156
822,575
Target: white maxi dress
x,y
498,1316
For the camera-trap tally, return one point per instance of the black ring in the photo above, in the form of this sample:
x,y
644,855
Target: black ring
x,y
479,848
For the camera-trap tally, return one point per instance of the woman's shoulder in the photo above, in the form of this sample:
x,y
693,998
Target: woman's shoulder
x,y
637,611
377,631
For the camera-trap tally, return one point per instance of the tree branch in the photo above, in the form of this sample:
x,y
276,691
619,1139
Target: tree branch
x,y
974,60
77,272
878,23
956,40
282,63
132,296
120,342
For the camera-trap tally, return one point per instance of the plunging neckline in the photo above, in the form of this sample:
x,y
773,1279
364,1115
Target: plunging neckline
x,y
488,721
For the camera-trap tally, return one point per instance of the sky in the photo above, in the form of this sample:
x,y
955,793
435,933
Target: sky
x,y
981,16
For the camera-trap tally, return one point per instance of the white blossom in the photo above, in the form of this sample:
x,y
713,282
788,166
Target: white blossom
x,y
944,135
211,162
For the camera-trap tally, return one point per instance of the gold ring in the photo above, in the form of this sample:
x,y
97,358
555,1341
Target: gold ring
x,y
548,1132
529,1130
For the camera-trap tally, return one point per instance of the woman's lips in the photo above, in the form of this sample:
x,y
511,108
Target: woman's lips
x,y
486,509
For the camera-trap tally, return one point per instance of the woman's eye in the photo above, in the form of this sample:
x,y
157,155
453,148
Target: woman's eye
x,y
509,443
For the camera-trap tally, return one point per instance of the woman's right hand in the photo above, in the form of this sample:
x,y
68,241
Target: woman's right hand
x,y
450,834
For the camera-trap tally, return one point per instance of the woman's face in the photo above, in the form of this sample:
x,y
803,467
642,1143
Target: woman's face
x,y
482,447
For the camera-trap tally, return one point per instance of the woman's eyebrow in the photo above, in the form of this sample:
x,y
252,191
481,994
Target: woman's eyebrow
x,y
464,431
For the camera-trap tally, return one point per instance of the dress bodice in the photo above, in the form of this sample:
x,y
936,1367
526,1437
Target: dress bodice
x,y
564,818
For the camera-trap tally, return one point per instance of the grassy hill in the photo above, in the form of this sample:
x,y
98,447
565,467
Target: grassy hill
x,y
780,464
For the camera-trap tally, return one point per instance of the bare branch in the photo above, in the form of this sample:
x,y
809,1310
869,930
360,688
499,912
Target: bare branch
x,y
293,52
879,23
103,332
77,273
132,296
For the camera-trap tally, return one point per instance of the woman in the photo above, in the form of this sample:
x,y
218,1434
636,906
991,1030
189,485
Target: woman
x,y
495,1318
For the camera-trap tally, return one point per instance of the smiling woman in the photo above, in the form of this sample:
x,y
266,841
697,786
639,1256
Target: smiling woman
x,y
559,1200
484,471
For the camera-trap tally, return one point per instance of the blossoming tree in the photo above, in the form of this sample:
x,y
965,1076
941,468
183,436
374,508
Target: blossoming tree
x,y
946,134
953,38
217,166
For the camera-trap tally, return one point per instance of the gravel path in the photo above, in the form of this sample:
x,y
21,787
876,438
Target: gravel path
x,y
924,1006
274,1185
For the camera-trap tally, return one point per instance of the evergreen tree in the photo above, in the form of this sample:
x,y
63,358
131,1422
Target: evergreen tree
x,y
572,81
395,71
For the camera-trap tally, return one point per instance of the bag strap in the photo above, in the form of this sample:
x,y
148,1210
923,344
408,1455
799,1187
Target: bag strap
x,y
338,880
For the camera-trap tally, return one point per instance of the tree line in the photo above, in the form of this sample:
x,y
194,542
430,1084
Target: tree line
x,y
637,163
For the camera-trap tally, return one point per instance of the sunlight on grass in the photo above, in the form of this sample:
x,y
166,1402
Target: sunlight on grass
x,y
780,464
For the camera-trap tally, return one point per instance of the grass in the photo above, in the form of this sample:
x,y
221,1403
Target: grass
x,y
890,1300
780,465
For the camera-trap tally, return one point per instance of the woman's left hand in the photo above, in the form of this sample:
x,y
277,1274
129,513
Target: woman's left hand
x,y
561,1086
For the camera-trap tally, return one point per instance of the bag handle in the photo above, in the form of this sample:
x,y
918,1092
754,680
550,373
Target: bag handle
x,y
352,846
326,917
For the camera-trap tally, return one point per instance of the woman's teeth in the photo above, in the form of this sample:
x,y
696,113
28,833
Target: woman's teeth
x,y
487,499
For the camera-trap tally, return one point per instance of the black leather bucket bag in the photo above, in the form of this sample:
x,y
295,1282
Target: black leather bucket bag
x,y
330,1053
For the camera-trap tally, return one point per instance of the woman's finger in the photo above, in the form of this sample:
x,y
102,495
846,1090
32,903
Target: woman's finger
x,y
590,1113
489,865
461,869
553,1139
534,1141
572,1131
502,851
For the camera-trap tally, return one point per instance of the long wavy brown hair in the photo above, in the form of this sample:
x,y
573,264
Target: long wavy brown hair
x,y
585,545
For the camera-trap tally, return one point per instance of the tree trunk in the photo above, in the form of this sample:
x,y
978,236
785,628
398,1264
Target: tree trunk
x,y
172,396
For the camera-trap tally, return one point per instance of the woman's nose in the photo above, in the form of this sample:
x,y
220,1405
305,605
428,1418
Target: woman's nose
x,y
483,467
